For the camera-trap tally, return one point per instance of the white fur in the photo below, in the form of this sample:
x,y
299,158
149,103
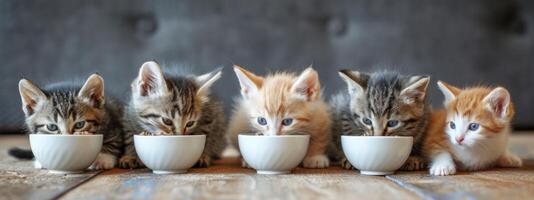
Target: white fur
x,y
104,161
442,165
316,161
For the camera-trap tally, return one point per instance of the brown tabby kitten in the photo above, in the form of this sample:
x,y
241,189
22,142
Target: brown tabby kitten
x,y
66,108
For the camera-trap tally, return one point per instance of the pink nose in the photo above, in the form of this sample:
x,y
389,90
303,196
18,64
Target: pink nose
x,y
460,139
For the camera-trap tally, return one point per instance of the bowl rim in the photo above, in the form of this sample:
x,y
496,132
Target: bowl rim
x,y
169,136
376,137
62,135
275,136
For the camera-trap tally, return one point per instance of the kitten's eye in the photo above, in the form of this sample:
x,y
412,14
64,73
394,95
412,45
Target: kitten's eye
x,y
452,125
52,127
474,126
166,121
262,121
190,124
79,125
287,121
367,121
392,123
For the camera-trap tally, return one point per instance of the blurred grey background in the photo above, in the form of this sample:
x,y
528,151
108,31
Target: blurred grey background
x,y
463,42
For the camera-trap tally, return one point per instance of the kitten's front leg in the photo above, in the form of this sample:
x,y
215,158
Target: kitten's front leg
x,y
316,157
104,161
413,163
130,160
509,160
442,165
204,161
345,164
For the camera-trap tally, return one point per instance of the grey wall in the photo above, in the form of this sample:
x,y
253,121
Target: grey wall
x,y
462,42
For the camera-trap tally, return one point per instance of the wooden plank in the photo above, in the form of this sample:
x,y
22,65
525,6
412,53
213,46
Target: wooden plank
x,y
19,180
233,182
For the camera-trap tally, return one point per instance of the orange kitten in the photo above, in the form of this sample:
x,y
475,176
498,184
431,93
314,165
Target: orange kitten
x,y
283,104
472,133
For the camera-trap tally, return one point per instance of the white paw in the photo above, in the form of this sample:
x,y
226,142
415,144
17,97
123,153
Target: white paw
x,y
37,165
104,161
317,161
442,169
510,160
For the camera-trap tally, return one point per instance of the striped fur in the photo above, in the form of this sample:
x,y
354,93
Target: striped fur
x,y
380,98
69,108
174,104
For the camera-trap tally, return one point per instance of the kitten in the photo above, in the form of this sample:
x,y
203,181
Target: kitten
x,y
174,104
283,104
472,132
380,104
68,109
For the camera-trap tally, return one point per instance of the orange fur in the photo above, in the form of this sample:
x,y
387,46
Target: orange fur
x,y
483,147
277,97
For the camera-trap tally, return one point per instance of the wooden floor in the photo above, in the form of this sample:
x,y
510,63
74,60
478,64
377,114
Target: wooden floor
x,y
226,180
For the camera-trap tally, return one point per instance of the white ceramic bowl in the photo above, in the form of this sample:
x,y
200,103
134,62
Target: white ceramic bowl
x,y
65,154
273,154
377,155
169,154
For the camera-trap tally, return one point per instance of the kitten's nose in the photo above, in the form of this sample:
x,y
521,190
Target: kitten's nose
x,y
460,139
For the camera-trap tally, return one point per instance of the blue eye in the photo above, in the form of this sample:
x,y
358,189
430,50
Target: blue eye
x,y
52,127
287,121
262,121
367,121
79,125
452,125
393,123
474,126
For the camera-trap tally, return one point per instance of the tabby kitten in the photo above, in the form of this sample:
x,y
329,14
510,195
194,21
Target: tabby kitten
x,y
68,109
472,132
174,104
380,104
283,104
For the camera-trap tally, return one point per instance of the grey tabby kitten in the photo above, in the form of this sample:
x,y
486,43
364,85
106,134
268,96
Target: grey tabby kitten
x,y
381,104
71,109
174,104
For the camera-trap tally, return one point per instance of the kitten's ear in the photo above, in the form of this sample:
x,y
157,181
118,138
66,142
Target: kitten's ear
x,y
150,80
307,85
416,90
450,92
498,102
93,91
205,81
250,83
356,81
31,95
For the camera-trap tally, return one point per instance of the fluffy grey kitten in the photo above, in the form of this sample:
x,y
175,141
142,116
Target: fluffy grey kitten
x,y
174,104
381,104
72,109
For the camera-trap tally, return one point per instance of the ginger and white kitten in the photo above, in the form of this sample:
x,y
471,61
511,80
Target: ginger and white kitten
x,y
71,109
179,103
472,132
283,104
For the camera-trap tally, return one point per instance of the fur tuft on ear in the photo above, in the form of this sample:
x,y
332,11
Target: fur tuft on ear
x,y
356,81
31,96
93,91
250,83
416,90
498,101
150,80
205,81
450,92
307,85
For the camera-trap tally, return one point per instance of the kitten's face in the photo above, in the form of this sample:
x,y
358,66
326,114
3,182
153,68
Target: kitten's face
x,y
64,111
386,104
281,104
475,114
169,107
